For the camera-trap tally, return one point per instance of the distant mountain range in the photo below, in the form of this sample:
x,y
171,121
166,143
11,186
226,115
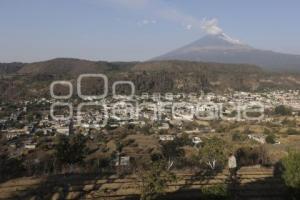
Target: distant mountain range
x,y
223,49
213,63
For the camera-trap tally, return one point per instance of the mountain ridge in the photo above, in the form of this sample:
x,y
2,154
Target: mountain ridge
x,y
222,49
33,79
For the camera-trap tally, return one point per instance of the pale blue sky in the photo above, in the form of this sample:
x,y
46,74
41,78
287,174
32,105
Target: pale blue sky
x,y
34,30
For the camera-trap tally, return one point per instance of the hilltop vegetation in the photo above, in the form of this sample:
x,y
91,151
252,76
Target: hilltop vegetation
x,y
34,79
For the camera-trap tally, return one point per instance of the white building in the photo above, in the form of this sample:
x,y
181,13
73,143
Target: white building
x,y
166,137
197,140
124,161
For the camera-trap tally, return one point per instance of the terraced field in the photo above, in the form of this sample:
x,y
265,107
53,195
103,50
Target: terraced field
x,y
253,183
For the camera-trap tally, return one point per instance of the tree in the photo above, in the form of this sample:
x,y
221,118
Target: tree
x,y
291,164
249,155
271,139
172,150
291,174
282,110
10,167
154,180
71,150
213,153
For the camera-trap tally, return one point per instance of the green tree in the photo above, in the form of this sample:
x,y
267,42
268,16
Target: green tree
x,y
271,139
213,153
154,180
282,110
291,174
172,150
291,165
10,167
71,150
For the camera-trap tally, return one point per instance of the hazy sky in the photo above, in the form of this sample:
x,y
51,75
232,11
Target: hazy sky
x,y
34,30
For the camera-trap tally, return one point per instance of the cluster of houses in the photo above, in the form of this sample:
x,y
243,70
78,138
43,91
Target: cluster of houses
x,y
166,110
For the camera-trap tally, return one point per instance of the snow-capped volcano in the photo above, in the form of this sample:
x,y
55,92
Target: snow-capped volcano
x,y
223,49
218,41
227,38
